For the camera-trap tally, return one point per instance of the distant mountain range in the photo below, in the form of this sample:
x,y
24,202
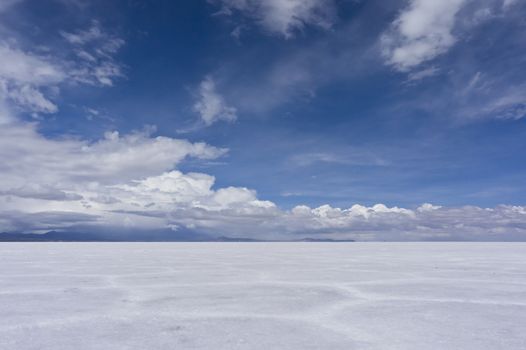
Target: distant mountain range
x,y
58,236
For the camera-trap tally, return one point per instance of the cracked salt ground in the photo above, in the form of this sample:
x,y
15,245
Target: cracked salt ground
x,y
262,296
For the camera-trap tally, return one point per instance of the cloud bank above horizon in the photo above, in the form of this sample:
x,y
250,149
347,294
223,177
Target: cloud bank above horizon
x,y
131,182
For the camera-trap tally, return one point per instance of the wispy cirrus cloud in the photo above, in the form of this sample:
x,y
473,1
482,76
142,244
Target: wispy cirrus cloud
x,y
31,79
23,75
354,157
94,49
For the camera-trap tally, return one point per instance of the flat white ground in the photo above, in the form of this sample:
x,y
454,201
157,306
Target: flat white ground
x,y
262,296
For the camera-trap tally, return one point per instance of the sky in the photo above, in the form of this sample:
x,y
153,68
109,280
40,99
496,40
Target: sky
x,y
275,119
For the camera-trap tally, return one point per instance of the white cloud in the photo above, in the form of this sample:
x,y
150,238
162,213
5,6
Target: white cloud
x,y
170,188
421,32
211,106
283,17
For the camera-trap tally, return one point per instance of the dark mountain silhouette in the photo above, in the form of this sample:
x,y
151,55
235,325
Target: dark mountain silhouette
x,y
153,236
60,236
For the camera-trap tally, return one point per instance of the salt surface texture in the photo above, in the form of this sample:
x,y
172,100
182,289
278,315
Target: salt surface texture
x,y
262,296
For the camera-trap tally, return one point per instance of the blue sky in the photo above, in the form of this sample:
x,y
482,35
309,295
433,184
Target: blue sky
x,y
342,118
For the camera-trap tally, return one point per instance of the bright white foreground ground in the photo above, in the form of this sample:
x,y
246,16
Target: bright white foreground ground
x,y
262,296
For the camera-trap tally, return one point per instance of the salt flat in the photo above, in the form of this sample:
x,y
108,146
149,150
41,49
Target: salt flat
x,y
262,296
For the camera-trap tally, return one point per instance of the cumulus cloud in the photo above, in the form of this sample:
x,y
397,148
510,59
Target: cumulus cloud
x,y
425,222
282,17
421,32
262,219
211,106
169,192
